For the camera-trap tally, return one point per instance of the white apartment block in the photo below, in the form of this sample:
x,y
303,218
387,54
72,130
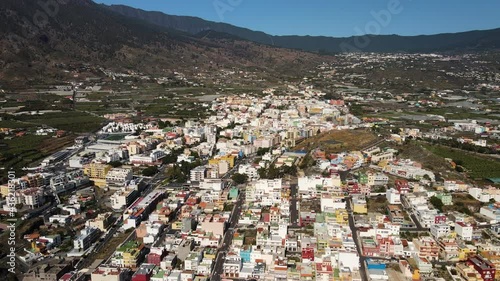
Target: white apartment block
x,y
393,196
198,174
32,197
249,170
464,231
440,230
212,184
87,236
375,179
118,177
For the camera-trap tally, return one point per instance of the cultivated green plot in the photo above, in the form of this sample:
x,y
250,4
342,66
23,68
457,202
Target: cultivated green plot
x,y
476,166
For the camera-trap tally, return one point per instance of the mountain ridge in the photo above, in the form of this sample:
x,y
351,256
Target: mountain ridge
x,y
458,41
82,32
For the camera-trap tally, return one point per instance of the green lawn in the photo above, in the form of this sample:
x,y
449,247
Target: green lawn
x,y
116,137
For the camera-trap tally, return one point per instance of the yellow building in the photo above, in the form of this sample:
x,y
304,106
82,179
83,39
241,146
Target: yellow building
x,y
342,217
468,272
416,275
359,206
383,164
131,253
103,221
177,225
209,253
97,173
228,158
135,148
4,190
360,209
465,251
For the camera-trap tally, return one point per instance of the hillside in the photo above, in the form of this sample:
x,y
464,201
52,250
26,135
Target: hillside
x,y
82,32
464,41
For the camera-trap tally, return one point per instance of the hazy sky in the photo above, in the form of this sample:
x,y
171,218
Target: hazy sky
x,y
336,17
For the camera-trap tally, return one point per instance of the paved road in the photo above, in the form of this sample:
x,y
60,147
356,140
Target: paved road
x,y
227,239
294,212
486,226
151,184
355,237
91,256
417,223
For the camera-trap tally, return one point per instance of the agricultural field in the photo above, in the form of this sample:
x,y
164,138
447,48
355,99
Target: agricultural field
x,y
27,150
97,107
20,152
14,124
52,145
71,121
477,167
152,100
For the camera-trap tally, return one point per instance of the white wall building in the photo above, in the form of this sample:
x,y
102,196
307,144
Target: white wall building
x,y
393,196
87,236
440,230
198,174
118,177
464,231
212,184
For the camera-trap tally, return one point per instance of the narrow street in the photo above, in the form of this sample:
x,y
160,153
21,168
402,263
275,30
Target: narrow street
x,y
294,212
355,237
227,239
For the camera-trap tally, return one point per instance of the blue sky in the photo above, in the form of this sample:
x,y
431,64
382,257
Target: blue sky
x,y
336,17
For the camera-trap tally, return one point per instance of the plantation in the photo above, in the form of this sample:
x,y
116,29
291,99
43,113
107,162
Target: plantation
x,y
477,167
20,152
78,122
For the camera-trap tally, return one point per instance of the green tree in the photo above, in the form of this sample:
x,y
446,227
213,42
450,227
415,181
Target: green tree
x,y
239,178
437,203
308,161
195,154
150,171
261,151
262,173
169,159
175,174
273,172
115,164
289,170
